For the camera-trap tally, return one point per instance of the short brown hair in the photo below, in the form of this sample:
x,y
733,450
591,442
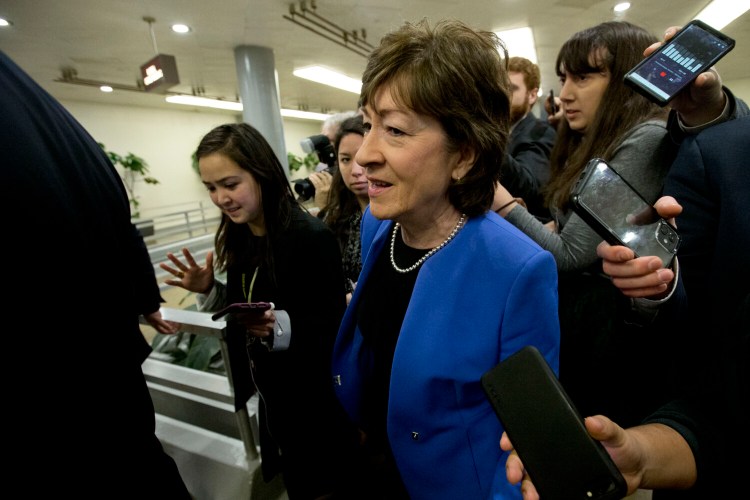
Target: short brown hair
x,y
532,77
456,75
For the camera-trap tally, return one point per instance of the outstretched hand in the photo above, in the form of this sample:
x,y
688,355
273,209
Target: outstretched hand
x,y
190,275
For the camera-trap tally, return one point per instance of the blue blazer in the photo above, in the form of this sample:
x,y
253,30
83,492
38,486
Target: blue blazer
x,y
485,295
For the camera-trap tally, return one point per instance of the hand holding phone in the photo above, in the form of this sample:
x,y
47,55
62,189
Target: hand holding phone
x,y
552,104
678,62
242,307
563,461
620,215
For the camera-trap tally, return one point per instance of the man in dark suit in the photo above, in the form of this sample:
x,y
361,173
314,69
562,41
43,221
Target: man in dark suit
x,y
696,441
710,180
79,417
526,166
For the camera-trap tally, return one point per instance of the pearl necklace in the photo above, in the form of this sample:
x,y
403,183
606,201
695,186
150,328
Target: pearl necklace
x,y
429,254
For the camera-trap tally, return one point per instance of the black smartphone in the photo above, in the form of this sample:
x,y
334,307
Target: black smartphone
x,y
552,105
671,68
548,433
620,215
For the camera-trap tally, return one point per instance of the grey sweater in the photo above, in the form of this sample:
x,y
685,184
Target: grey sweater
x,y
643,159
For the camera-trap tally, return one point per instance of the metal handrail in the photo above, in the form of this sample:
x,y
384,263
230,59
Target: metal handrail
x,y
200,323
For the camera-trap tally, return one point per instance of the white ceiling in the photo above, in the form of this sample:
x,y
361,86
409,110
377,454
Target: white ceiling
x,y
108,40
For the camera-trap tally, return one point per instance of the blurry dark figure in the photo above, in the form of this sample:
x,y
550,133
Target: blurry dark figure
x,y
77,408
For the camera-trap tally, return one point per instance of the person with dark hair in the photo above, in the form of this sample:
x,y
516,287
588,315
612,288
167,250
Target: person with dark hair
x,y
77,404
526,166
348,198
448,288
689,446
322,178
600,331
284,353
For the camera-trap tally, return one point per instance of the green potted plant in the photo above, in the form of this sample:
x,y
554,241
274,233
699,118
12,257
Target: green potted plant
x,y
133,168
296,162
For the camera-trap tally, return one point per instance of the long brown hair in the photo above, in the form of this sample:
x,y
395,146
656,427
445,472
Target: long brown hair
x,y
342,202
247,147
615,46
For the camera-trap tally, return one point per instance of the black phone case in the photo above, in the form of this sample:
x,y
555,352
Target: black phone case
x,y
547,432
661,227
708,63
552,105
241,307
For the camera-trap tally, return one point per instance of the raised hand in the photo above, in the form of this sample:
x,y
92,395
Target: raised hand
x,y
189,275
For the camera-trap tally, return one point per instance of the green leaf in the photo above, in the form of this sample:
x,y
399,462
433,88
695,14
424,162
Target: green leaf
x,y
201,352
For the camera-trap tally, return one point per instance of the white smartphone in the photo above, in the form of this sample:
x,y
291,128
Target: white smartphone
x,y
671,68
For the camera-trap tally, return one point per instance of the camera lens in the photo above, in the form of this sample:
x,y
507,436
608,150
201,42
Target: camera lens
x,y
305,189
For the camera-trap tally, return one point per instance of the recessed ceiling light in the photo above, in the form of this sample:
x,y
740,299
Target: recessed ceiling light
x,y
4,22
622,7
106,88
181,28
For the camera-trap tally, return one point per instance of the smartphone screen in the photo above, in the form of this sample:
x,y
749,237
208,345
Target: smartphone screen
x,y
672,67
620,215
547,432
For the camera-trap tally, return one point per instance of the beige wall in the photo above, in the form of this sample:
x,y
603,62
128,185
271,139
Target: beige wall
x,y
166,139
741,88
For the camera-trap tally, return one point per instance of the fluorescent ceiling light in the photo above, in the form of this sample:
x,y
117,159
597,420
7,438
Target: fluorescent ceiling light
x,y
190,100
330,78
519,42
305,115
719,13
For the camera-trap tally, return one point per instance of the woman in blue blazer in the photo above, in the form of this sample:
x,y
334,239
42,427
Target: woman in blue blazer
x,y
448,289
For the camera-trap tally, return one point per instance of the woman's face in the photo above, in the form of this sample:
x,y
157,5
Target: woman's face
x,y
581,95
351,171
406,161
234,190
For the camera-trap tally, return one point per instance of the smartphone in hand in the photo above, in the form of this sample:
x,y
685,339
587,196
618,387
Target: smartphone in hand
x,y
563,461
620,215
552,105
679,61
242,307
